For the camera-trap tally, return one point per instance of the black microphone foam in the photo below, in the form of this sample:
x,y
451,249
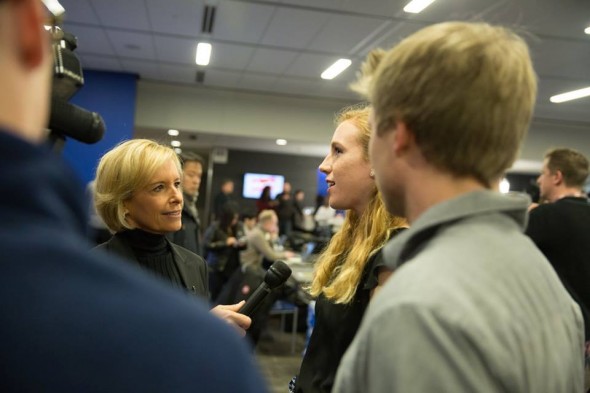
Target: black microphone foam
x,y
72,121
276,275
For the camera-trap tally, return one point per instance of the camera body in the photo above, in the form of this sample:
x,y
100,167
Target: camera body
x,y
66,119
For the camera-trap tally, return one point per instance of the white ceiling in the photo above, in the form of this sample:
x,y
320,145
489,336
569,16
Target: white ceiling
x,y
282,46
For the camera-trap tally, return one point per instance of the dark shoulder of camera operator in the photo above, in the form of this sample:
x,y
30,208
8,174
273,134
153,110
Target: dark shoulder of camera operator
x,y
73,321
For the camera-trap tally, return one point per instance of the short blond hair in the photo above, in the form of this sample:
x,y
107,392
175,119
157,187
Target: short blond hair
x,y
266,215
122,171
465,90
572,164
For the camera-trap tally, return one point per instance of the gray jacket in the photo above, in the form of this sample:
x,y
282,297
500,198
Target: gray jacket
x,y
473,307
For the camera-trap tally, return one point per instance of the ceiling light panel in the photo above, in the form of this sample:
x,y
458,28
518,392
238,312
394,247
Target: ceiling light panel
x,y
417,6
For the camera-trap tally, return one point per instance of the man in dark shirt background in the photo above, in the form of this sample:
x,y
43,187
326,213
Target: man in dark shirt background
x,y
224,197
560,225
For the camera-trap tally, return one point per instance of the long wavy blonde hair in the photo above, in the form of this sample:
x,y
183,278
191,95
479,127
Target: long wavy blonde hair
x,y
340,266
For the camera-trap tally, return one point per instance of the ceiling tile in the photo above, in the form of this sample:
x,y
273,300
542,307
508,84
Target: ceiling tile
x,y
392,34
91,39
271,61
176,16
132,45
234,57
369,7
310,65
293,28
127,14
79,11
241,22
175,50
342,33
576,110
561,58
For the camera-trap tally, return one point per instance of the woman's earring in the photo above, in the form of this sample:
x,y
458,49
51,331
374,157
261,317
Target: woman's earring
x,y
372,173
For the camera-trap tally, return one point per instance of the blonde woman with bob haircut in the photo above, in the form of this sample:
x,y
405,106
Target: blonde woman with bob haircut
x,y
349,270
139,196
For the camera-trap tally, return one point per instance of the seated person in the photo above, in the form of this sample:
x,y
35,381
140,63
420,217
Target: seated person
x,y
245,281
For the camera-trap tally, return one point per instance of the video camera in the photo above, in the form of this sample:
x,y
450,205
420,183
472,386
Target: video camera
x,y
68,120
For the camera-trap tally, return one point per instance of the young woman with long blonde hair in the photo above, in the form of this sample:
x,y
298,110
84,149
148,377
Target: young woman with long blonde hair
x,y
350,269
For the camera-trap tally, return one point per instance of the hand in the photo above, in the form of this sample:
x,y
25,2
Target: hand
x,y
532,206
231,241
229,313
289,254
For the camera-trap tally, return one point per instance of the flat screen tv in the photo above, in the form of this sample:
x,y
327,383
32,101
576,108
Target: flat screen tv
x,y
255,182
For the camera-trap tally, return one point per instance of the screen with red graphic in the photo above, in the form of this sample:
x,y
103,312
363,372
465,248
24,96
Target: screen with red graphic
x,y
255,182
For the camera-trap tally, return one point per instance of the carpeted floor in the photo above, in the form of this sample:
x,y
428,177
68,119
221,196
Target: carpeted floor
x,y
274,355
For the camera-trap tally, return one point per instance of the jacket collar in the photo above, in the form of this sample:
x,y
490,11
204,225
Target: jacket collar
x,y
408,243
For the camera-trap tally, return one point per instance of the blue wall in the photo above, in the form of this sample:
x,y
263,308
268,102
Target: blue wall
x,y
321,182
113,96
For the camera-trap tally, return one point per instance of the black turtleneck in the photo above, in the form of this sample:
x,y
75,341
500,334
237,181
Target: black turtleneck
x,y
152,252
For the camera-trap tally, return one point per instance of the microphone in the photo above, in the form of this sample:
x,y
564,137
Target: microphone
x,y
276,275
70,120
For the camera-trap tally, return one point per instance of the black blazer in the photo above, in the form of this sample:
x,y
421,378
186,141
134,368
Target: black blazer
x,y
191,267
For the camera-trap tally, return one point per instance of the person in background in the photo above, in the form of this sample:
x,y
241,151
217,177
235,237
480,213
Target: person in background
x,y
560,226
350,269
139,197
224,197
473,306
260,241
223,241
249,221
299,214
285,210
72,320
265,202
252,273
189,235
324,217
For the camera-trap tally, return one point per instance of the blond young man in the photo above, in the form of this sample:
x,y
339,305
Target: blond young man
x,y
472,306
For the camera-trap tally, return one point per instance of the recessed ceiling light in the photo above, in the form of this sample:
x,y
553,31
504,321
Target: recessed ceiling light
x,y
335,69
54,7
203,53
178,150
173,132
281,142
417,6
587,30
175,143
570,95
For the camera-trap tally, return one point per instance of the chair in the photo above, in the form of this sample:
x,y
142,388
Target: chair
x,y
283,308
